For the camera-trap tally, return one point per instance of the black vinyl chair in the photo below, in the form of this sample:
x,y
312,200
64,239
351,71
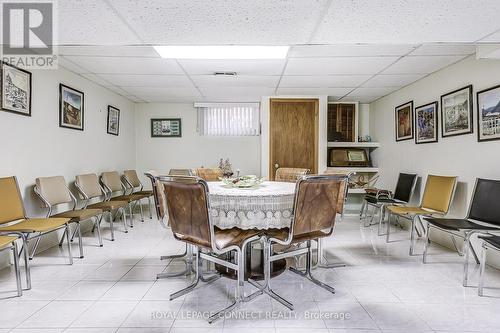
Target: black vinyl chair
x,y
381,198
483,217
489,242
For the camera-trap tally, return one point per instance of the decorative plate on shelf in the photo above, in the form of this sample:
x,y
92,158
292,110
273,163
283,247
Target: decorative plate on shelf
x,y
243,181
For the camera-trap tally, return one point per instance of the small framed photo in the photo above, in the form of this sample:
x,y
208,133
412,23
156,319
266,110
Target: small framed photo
x,y
426,123
16,89
71,108
456,112
488,114
166,128
113,120
404,121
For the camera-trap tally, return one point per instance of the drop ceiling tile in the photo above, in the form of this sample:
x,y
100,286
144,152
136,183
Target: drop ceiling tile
x,y
166,99
235,94
242,67
147,80
368,21
168,92
492,38
345,50
337,65
96,79
91,22
110,51
323,81
238,80
360,99
71,66
421,64
222,22
392,80
444,49
373,92
336,92
118,90
126,65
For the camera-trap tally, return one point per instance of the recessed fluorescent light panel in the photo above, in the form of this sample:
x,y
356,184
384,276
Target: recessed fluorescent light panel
x,y
222,52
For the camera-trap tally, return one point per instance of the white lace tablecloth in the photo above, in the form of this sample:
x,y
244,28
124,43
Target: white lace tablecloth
x,y
268,205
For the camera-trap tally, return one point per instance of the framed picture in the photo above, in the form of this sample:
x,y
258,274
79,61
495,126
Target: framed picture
x,y
404,121
113,120
166,128
426,123
456,112
488,114
71,108
16,89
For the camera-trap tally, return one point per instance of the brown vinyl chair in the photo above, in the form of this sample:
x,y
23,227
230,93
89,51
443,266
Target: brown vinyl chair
x,y
208,174
188,208
290,175
9,243
13,221
53,192
112,183
133,182
314,214
89,188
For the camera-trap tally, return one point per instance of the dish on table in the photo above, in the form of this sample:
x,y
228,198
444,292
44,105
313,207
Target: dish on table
x,y
243,181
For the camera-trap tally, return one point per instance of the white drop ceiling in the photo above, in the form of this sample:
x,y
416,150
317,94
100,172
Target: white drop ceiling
x,y
350,50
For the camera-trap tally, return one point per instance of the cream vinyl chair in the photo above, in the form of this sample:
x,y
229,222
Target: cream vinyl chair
x,y
133,182
290,175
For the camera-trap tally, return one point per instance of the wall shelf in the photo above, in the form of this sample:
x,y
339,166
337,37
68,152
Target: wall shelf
x,y
356,191
353,169
354,144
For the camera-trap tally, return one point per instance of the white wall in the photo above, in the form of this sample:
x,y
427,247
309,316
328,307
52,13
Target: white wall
x,y
461,155
36,146
191,150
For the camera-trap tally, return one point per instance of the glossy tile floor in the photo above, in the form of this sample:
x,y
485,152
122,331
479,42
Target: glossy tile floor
x,y
113,289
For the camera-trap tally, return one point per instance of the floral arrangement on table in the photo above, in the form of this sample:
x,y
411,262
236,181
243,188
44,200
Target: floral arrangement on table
x,y
243,181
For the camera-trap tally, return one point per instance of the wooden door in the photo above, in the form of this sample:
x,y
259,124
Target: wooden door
x,y
293,134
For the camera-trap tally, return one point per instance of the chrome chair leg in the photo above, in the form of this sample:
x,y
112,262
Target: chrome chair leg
x,y
308,274
388,230
412,235
322,262
426,244
32,255
481,271
150,209
111,226
26,260
266,287
17,269
124,220
381,219
466,263
80,240
97,225
142,211
361,210
131,218
73,234
62,238
69,246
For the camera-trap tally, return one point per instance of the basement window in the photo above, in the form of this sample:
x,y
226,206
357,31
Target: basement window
x,y
228,119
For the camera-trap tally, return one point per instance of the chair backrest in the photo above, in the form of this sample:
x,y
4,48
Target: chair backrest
x,y
181,172
89,185
208,174
289,174
11,202
438,193
112,181
187,202
132,178
53,190
315,206
485,205
158,194
405,187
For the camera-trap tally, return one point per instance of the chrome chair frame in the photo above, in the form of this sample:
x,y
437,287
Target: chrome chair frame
x,y
468,233
17,269
111,217
212,256
486,246
108,195
268,257
418,218
128,184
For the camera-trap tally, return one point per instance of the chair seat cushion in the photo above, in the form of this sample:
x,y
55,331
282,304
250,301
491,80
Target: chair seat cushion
x,y
144,193
80,214
128,198
458,224
408,210
6,241
282,235
108,205
492,240
37,225
232,237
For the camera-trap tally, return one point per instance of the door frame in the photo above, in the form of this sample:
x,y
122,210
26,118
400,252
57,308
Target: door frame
x,y
316,131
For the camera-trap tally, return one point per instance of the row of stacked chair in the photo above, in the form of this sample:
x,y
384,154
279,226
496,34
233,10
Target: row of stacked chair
x,y
111,194
483,216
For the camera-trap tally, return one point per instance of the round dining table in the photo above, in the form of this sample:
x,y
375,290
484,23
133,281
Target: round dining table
x,y
266,206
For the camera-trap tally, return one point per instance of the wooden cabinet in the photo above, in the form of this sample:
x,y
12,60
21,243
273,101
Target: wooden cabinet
x,y
342,122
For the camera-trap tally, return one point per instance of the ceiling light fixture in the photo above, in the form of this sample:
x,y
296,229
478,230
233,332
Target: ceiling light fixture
x,y
222,52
